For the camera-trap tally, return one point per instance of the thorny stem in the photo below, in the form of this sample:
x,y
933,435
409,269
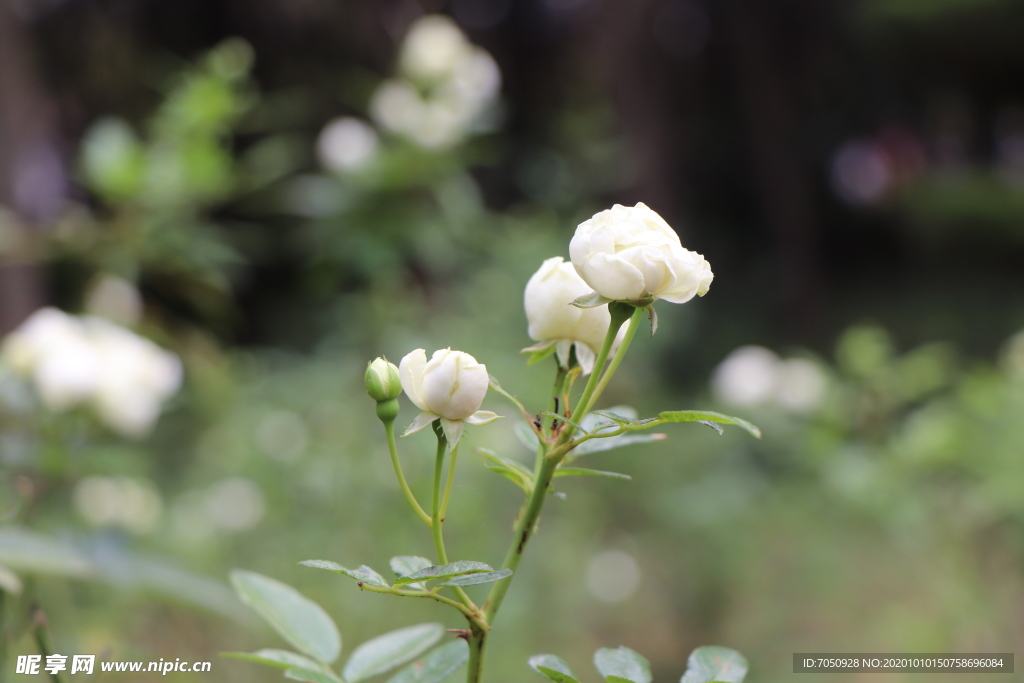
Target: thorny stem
x,y
389,429
552,457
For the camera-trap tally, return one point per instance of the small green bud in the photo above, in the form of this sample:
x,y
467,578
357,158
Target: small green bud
x,y
382,380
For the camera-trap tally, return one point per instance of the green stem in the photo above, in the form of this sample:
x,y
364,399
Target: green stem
x,y
389,429
474,616
451,479
42,637
477,640
620,353
619,313
523,531
437,516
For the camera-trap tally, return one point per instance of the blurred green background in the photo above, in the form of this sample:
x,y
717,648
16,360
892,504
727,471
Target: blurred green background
x,y
232,181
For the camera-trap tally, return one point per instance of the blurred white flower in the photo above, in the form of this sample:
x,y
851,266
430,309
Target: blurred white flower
x,y
746,377
754,375
74,360
800,385
130,503
446,84
612,576
235,504
346,144
547,300
433,49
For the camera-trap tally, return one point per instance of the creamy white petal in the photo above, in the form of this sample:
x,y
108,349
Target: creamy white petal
x,y
410,371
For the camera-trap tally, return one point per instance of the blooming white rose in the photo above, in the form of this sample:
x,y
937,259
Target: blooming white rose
x,y
450,387
74,360
547,300
630,254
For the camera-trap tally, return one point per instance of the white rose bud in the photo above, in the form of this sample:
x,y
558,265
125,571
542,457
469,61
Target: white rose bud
x,y
632,254
547,300
450,387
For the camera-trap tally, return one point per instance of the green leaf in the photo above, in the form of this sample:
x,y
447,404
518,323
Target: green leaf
x,y
583,472
385,652
445,571
623,663
718,664
618,414
403,565
363,573
311,675
436,666
473,579
526,435
279,659
539,351
591,300
552,667
28,551
608,443
708,416
618,679
299,620
512,470
548,413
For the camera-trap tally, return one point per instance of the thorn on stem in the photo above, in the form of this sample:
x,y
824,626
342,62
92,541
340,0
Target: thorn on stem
x,y
460,632
359,584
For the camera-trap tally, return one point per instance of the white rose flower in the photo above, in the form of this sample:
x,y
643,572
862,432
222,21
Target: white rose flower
x,y
547,300
450,387
73,360
432,49
631,254
346,144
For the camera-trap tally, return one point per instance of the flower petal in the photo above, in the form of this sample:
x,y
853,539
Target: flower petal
x,y
410,371
586,357
613,277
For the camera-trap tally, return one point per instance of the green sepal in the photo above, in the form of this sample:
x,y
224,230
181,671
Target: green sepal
x,y
591,300
363,573
539,351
